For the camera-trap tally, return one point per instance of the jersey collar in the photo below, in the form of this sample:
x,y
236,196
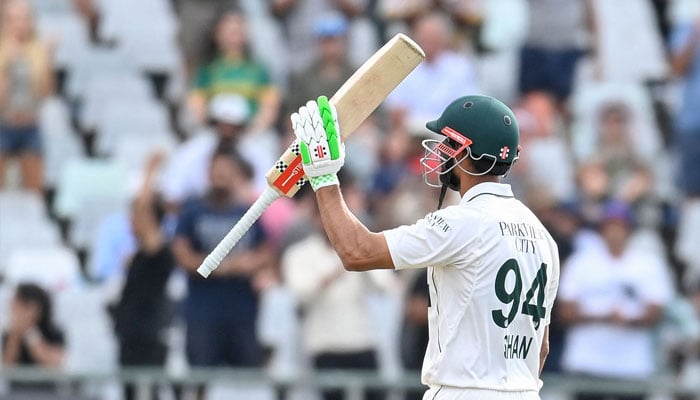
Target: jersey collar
x,y
492,188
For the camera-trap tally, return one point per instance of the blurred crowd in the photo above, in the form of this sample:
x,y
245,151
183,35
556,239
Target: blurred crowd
x,y
135,133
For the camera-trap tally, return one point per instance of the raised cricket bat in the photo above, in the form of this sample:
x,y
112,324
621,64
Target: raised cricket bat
x,y
359,96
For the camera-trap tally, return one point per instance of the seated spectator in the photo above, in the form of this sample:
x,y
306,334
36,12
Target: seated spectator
x,y
298,17
221,311
612,299
186,174
143,296
32,339
443,75
629,179
25,80
232,71
331,67
195,18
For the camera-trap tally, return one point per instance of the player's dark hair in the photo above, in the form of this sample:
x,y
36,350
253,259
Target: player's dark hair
x,y
485,163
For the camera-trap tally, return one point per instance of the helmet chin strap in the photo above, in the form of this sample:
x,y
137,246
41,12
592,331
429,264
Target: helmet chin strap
x,y
443,192
451,181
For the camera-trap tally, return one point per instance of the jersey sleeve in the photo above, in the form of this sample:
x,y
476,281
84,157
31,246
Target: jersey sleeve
x,y
439,239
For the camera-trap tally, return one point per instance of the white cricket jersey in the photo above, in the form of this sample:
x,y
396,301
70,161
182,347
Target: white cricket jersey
x,y
493,273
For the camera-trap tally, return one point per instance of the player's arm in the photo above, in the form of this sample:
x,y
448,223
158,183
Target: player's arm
x,y
358,247
322,153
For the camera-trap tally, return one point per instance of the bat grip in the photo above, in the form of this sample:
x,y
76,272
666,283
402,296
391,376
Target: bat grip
x,y
236,233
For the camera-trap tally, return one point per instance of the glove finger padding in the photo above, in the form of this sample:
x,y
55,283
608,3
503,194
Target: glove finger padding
x,y
316,127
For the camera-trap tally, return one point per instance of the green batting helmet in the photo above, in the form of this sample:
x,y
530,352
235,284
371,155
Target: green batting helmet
x,y
489,127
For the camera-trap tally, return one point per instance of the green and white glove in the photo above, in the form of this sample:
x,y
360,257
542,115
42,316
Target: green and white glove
x,y
322,153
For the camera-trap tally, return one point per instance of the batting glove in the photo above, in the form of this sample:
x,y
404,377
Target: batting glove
x,y
322,153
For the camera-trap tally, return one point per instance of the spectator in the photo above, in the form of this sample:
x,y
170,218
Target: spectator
x,y
629,180
331,66
195,18
25,80
439,78
541,136
187,171
220,312
554,45
32,339
336,324
231,70
143,297
685,62
298,18
612,298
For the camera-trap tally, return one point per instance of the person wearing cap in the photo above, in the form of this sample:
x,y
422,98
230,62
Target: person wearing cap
x,y
186,173
492,267
611,299
330,67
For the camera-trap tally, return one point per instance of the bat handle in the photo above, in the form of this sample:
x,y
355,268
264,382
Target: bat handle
x,y
236,233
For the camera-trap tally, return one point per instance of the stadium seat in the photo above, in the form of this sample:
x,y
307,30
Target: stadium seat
x,y
132,148
120,117
54,117
54,267
90,342
101,89
152,48
21,206
84,179
60,142
17,233
70,34
58,151
93,210
93,62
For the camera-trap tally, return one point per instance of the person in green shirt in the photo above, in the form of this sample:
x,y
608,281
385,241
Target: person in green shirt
x,y
233,71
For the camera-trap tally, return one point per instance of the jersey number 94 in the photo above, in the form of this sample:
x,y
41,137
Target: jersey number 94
x,y
512,297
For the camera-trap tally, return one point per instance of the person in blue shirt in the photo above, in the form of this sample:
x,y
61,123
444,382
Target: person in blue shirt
x,y
220,311
685,61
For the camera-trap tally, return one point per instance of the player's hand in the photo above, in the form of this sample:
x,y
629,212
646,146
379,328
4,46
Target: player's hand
x,y
322,153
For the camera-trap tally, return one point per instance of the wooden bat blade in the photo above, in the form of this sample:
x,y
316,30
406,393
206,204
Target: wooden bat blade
x,y
359,96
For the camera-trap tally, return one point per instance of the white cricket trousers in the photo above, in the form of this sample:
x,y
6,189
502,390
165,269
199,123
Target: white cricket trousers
x,y
453,393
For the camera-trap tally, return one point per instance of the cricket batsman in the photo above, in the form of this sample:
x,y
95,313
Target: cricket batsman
x,y
493,269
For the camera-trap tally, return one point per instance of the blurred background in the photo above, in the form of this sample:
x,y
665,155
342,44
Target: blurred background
x,y
135,133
